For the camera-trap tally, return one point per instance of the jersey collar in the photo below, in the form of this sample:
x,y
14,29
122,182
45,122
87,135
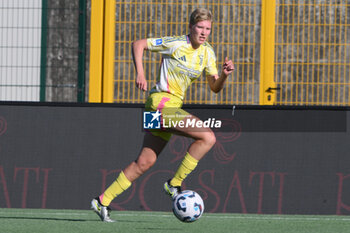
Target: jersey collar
x,y
188,39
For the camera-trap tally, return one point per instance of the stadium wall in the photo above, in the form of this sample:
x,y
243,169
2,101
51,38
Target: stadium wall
x,y
267,160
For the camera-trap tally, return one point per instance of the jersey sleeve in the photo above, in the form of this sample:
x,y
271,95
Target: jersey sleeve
x,y
211,68
164,45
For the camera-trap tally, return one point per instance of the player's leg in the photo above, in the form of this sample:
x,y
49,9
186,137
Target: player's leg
x,y
204,140
152,147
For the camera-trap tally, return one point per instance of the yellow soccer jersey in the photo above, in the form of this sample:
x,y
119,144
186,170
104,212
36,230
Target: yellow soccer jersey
x,y
181,64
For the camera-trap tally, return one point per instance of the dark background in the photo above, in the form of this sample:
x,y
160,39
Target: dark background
x,y
266,160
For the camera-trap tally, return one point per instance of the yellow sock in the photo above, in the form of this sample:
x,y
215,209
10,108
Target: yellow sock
x,y
186,167
116,188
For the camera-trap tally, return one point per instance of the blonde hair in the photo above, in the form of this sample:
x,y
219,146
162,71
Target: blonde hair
x,y
200,14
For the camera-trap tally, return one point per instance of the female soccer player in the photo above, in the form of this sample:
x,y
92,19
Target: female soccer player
x,y
184,58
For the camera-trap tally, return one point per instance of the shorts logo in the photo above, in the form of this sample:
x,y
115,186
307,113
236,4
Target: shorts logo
x,y
151,120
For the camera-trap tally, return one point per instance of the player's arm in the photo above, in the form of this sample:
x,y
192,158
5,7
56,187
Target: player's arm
x,y
137,51
216,82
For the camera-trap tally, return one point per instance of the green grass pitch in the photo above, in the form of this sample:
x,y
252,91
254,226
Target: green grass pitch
x,y
86,221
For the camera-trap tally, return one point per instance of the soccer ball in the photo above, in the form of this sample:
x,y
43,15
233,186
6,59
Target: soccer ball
x,y
188,206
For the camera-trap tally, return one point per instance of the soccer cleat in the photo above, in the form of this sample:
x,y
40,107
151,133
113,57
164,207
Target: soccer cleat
x,y
101,211
172,191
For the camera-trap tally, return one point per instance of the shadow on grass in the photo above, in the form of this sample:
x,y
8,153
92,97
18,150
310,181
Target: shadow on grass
x,y
67,219
159,229
46,218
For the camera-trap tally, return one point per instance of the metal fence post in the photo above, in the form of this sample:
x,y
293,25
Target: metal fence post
x,y
43,58
82,51
96,51
267,84
108,53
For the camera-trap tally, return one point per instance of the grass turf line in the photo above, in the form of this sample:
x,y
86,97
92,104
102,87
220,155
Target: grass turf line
x,y
85,221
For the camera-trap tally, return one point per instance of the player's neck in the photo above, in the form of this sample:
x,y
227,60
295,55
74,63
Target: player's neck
x,y
193,43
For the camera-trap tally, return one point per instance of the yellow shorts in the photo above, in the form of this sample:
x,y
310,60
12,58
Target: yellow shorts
x,y
170,108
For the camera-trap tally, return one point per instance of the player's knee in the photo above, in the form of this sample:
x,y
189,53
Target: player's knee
x,y
144,164
210,139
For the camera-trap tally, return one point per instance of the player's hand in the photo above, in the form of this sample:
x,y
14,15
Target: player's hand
x,y
228,67
141,82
